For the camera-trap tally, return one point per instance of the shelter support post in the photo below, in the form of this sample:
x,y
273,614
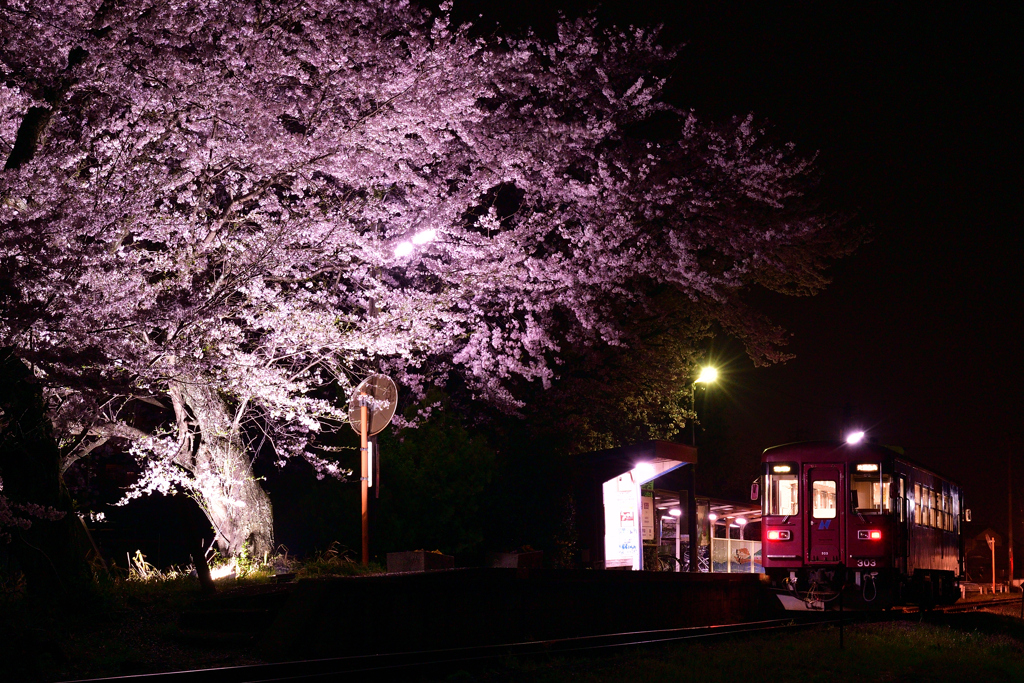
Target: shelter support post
x,y
691,517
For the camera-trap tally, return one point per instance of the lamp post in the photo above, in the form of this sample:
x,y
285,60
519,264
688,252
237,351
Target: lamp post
x,y
707,375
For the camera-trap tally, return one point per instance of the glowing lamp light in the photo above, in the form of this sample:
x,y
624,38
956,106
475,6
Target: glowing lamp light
x,y
742,521
854,438
708,374
644,471
424,236
713,517
675,512
876,535
403,249
773,535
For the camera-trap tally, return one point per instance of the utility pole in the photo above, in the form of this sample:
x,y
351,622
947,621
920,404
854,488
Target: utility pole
x,y
1009,492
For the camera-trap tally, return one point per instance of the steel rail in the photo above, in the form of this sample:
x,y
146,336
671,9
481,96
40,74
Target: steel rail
x,y
965,606
424,660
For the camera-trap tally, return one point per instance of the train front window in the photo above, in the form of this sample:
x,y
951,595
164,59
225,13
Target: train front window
x,y
871,491
782,484
824,493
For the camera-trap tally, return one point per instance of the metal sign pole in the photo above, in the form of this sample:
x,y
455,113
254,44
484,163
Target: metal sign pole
x,y
363,436
370,409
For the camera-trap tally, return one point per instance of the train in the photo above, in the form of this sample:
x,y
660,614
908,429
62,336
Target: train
x,y
858,522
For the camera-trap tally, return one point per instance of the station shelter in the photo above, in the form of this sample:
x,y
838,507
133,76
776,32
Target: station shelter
x,y
637,510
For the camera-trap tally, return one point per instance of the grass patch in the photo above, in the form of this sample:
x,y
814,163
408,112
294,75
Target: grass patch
x,y
988,648
335,561
129,624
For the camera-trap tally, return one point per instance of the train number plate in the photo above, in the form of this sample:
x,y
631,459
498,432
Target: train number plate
x,y
867,563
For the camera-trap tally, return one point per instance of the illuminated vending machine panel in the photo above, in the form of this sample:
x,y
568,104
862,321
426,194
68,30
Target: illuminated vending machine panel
x,y
622,543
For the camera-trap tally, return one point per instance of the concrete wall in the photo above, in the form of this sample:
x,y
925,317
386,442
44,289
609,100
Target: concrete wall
x,y
463,607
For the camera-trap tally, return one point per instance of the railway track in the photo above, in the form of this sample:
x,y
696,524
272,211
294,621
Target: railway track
x,y
964,606
422,663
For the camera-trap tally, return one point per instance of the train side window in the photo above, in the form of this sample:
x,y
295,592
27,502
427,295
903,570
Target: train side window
x,y
869,489
781,492
931,508
918,505
901,504
823,495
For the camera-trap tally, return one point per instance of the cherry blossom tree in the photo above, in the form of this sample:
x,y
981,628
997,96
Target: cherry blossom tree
x,y
217,217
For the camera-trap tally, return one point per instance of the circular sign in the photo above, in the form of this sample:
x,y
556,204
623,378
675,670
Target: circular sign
x,y
380,396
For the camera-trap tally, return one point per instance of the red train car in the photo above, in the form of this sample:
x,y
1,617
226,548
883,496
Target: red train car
x,y
862,519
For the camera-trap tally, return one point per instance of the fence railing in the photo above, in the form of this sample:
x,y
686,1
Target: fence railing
x,y
734,556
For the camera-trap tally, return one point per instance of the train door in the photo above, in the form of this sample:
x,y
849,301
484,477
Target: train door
x,y
902,524
823,537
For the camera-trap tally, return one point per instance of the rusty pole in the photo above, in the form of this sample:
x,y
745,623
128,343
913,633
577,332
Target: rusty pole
x,y
363,438
1009,492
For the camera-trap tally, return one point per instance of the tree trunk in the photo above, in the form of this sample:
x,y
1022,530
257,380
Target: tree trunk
x,y
214,453
52,554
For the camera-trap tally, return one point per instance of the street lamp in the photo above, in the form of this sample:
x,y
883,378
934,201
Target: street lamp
x,y
644,471
707,375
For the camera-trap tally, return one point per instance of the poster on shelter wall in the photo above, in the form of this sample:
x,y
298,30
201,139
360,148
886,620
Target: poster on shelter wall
x,y
647,516
621,529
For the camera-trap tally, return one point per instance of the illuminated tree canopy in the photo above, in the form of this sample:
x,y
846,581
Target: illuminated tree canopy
x,y
202,201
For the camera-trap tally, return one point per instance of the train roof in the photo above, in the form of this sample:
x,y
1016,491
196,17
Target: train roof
x,y
881,450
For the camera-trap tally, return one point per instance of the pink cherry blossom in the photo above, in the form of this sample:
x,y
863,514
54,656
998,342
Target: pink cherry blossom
x,y
217,192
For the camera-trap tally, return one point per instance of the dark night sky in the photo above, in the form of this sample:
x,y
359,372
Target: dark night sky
x,y
913,109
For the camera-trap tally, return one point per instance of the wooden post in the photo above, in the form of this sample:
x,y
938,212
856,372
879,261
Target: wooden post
x,y
364,428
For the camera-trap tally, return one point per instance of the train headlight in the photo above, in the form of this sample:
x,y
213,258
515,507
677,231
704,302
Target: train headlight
x,y
779,535
869,535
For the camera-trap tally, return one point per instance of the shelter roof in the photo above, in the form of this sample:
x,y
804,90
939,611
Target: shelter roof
x,y
615,461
